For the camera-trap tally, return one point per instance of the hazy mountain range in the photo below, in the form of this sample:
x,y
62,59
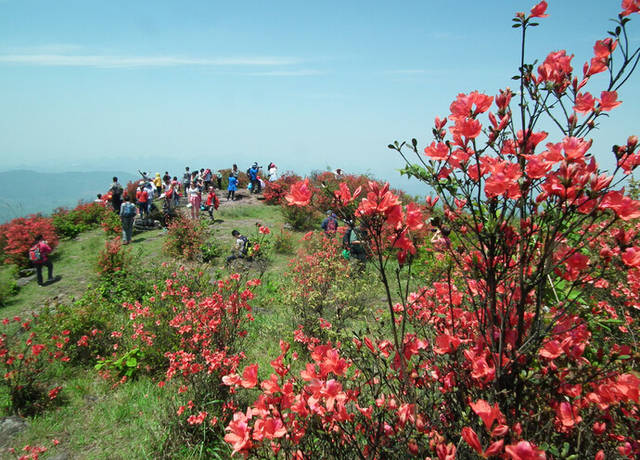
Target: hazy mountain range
x,y
24,192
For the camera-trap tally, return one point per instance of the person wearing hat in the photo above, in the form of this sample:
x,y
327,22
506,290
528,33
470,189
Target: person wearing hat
x,y
253,177
273,172
330,223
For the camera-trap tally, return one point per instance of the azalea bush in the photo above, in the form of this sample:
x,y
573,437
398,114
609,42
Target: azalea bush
x,y
113,259
275,191
184,238
111,224
525,347
323,290
18,236
85,216
26,355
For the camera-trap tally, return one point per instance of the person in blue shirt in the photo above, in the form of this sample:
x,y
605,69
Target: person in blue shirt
x,y
231,189
253,177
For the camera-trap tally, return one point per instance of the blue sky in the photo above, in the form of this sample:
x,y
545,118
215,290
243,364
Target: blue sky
x,y
89,85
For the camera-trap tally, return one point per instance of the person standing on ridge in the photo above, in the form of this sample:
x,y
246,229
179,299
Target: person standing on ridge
x,y
186,179
142,197
195,199
231,189
116,194
38,257
253,177
127,215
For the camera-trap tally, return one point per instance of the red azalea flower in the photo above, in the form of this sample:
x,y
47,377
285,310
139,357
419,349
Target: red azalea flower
x,y
300,194
538,11
472,439
524,450
608,100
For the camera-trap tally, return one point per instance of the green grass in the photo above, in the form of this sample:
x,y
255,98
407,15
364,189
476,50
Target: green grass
x,y
96,421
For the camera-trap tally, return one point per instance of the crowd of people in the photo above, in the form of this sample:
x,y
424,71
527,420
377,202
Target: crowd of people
x,y
197,186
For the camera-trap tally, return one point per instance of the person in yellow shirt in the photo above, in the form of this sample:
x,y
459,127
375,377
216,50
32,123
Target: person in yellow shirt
x,y
157,181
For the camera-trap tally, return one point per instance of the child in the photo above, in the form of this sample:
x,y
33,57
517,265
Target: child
x,y
231,189
142,197
212,202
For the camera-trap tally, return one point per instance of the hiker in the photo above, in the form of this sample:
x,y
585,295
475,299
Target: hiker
x,y
330,223
219,179
231,189
212,202
116,194
166,178
253,177
241,247
157,182
338,173
358,243
99,199
150,189
142,198
176,187
186,179
168,206
206,178
234,171
272,172
127,215
195,198
38,256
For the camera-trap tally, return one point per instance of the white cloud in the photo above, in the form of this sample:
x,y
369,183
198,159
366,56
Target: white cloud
x,y
286,73
406,71
106,61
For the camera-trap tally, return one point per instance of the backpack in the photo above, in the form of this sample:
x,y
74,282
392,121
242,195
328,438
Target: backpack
x,y
346,239
332,225
34,254
245,245
129,210
117,189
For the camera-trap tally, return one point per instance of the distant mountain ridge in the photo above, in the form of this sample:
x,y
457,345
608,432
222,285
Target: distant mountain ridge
x,y
24,192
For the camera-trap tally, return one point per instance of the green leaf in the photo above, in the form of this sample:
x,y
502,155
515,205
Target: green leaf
x,y
132,362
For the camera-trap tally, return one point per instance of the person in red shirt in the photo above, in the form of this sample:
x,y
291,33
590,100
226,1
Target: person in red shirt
x,y
38,257
142,197
212,202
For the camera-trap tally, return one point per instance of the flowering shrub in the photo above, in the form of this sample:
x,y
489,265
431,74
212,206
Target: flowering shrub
x,y
525,349
111,224
18,236
184,239
70,223
190,332
113,259
25,356
274,192
322,289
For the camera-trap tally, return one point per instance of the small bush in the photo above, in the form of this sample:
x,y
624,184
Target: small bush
x,y
113,259
85,216
26,355
301,219
283,242
185,238
8,287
